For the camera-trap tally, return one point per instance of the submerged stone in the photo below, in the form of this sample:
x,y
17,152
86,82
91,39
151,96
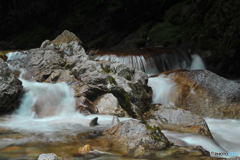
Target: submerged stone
x,y
85,149
94,122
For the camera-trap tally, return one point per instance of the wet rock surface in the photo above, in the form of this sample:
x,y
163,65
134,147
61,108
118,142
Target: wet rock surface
x,y
207,94
68,62
135,138
85,106
85,149
10,89
178,119
94,122
108,104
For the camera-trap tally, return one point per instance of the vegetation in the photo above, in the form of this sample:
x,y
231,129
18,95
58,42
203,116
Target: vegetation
x,y
156,132
112,80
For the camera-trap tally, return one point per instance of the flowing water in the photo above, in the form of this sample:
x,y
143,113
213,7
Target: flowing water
x,y
153,61
46,122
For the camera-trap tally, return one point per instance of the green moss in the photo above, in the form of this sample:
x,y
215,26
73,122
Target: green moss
x,y
156,132
129,77
127,97
107,70
123,99
112,80
125,103
1,53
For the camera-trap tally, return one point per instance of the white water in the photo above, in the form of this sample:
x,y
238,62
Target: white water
x,y
197,62
158,63
225,133
48,108
163,88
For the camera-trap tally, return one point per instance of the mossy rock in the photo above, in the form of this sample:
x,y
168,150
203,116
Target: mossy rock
x,y
137,38
112,80
124,99
156,133
206,43
165,33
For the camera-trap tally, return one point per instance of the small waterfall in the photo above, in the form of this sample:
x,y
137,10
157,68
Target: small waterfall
x,y
44,99
163,89
197,62
153,61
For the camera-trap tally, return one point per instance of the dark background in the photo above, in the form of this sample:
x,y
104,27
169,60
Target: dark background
x,y
208,27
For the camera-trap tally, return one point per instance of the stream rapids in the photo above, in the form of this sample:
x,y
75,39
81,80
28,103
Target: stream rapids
x,y
46,121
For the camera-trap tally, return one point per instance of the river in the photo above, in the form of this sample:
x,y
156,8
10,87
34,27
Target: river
x,y
58,128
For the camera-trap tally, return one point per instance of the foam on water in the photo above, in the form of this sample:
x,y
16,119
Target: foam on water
x,y
197,62
225,136
163,88
156,63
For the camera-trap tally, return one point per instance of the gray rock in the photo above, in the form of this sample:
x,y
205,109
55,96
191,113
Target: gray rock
x,y
10,89
45,43
115,120
180,120
207,94
108,104
66,37
85,106
135,138
49,156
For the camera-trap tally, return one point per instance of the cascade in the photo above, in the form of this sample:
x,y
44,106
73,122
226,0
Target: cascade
x,y
154,60
38,115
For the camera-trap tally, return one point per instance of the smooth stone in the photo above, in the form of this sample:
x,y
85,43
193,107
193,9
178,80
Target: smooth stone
x,y
115,120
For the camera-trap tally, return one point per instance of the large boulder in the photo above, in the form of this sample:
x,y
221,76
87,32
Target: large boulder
x,y
135,138
207,94
10,89
68,62
177,119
